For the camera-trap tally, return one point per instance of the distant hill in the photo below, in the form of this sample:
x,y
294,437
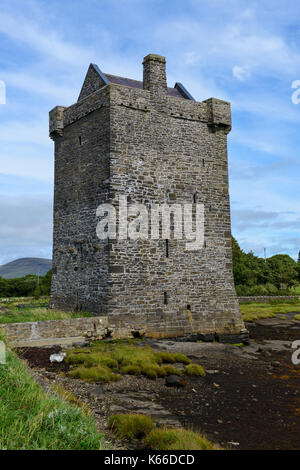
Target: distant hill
x,y
23,266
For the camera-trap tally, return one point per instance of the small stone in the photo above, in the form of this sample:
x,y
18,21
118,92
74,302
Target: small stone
x,y
175,381
59,357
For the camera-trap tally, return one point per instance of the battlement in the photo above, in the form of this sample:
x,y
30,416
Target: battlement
x,y
101,89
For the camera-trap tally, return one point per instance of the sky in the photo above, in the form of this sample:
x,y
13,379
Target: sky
x,y
244,52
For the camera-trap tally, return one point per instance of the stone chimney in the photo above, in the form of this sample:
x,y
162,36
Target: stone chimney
x,y
154,78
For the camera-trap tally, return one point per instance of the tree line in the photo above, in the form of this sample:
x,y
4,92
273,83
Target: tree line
x,y
28,286
277,275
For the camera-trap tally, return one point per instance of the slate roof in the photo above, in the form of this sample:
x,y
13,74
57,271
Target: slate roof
x,y
138,84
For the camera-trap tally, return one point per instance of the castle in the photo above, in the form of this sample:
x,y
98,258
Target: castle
x,y
152,144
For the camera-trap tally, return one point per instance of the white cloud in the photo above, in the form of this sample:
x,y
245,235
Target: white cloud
x,y
240,73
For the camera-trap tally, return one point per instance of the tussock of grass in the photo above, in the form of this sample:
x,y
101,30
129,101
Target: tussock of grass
x,y
297,317
177,439
255,311
32,419
94,374
131,370
171,370
97,362
179,357
166,357
130,426
195,369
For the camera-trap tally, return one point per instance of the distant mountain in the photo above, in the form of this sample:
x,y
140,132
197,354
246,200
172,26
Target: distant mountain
x,y
23,266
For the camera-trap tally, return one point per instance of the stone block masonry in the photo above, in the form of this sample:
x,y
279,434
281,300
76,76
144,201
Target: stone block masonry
x,y
43,333
153,144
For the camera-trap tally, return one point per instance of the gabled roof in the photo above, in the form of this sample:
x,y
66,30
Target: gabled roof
x,y
96,79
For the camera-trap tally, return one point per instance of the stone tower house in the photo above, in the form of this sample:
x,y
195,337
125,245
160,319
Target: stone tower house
x,y
153,144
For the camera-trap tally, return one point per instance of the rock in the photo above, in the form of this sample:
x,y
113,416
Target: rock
x,y
59,357
234,443
97,391
175,381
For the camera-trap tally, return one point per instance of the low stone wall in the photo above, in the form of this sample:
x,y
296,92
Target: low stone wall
x,y
72,330
267,298
77,330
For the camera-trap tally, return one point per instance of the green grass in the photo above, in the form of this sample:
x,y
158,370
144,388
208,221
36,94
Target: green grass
x,y
9,313
32,419
255,311
94,374
104,361
130,426
137,426
297,317
178,439
195,369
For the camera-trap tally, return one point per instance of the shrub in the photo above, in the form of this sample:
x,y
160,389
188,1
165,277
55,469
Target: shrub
x,y
130,426
194,369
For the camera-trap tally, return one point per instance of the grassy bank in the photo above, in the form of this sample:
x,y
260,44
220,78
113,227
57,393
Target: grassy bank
x,y
32,419
10,313
255,311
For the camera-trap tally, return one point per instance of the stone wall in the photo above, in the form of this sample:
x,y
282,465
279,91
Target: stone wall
x,y
55,331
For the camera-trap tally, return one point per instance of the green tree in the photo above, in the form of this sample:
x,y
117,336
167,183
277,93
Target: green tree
x,y
283,271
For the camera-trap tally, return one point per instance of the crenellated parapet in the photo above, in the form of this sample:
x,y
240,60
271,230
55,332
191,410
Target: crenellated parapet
x,y
56,121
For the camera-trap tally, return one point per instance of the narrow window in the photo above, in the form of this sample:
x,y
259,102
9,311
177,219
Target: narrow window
x,y
79,139
167,248
188,307
129,128
165,298
195,198
203,162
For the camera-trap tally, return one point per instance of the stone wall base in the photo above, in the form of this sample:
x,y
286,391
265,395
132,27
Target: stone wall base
x,y
78,330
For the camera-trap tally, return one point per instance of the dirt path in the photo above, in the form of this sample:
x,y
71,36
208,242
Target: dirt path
x,y
249,398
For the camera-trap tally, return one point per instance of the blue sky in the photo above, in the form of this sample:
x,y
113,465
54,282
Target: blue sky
x,y
241,51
